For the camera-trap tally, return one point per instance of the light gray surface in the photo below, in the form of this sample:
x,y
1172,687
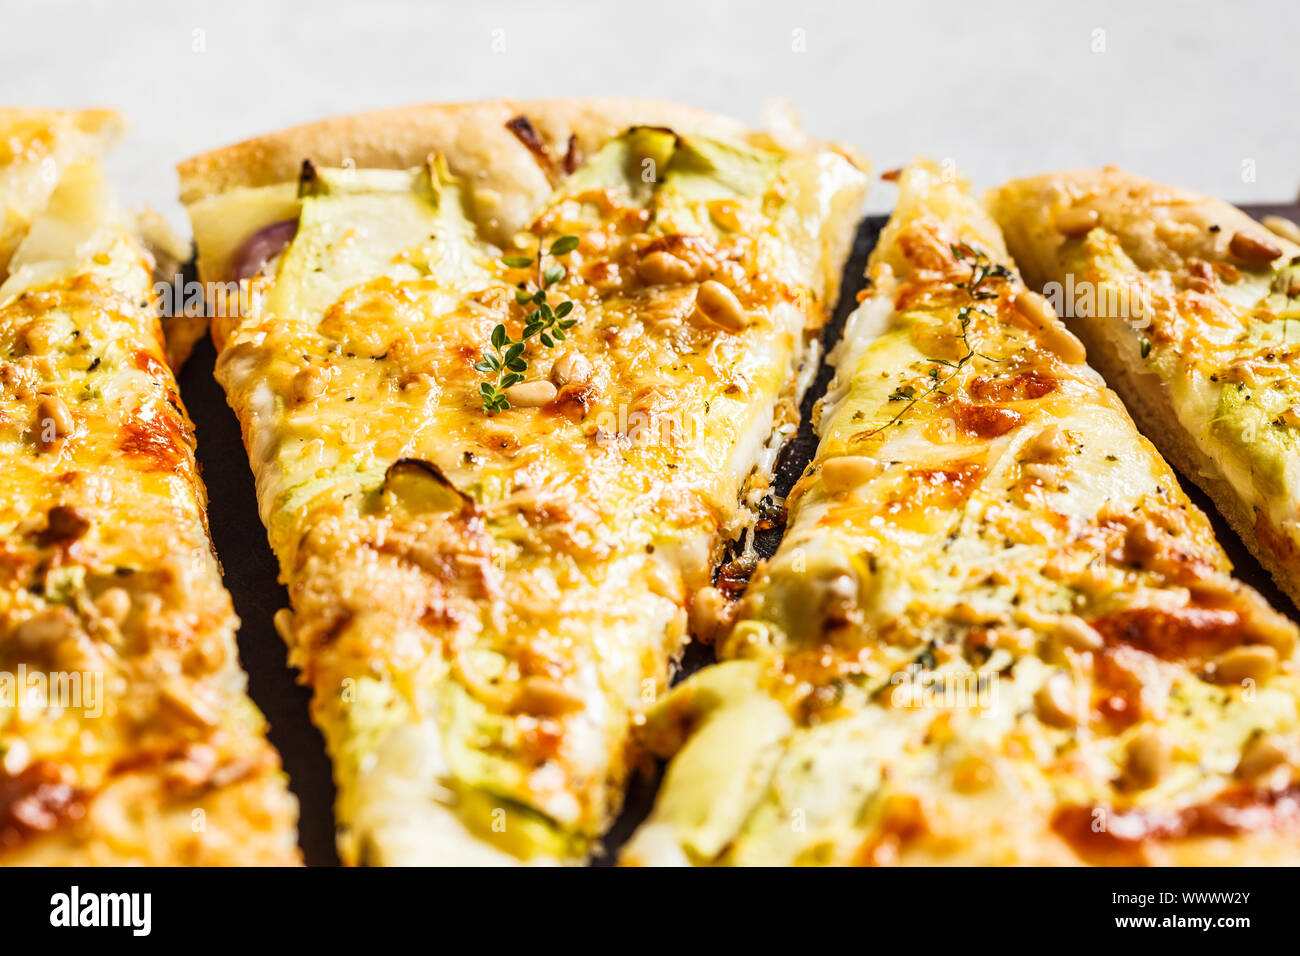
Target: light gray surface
x,y
1202,95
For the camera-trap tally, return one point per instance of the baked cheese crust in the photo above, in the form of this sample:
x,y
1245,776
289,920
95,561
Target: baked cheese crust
x,y
996,632
484,604
1186,305
125,733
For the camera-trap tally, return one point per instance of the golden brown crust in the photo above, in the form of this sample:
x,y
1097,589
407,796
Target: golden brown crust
x,y
1160,227
508,178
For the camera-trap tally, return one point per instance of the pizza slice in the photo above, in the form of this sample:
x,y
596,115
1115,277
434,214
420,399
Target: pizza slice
x,y
509,375
125,733
1186,305
36,146
996,631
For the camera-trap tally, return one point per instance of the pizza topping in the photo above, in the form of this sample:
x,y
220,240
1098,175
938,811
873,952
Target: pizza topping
x,y
1099,832
65,525
114,604
261,248
1250,662
1057,702
1050,444
53,421
1076,221
533,394
984,421
1253,248
550,324
571,368
310,383
1185,633
1262,753
1146,758
846,472
718,305
37,800
662,268
1019,387
420,486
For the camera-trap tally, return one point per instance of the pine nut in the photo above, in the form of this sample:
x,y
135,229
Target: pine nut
x,y
1061,341
709,613
1076,222
663,268
1145,759
531,394
1049,444
309,383
1253,248
1260,755
53,421
1036,308
1281,226
1077,633
719,305
542,695
569,368
1054,336
848,472
1055,702
1255,662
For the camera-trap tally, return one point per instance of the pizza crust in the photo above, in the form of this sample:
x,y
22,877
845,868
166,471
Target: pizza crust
x,y
507,179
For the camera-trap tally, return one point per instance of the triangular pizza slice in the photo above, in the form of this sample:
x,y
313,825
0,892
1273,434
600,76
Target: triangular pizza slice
x,y
1191,309
997,631
505,373
125,733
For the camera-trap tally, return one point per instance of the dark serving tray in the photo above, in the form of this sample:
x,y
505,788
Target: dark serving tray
x,y
251,572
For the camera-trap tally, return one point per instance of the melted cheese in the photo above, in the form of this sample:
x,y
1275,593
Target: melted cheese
x,y
125,732
994,631
479,656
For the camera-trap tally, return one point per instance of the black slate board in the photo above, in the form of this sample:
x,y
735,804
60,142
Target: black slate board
x,y
251,570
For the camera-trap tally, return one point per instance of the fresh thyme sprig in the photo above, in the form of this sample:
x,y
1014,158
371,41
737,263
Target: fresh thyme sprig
x,y
505,360
982,269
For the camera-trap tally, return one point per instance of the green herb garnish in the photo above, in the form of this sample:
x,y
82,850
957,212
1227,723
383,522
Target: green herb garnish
x,y
981,270
505,359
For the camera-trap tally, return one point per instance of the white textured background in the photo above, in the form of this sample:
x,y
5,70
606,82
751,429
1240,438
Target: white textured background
x,y
1202,95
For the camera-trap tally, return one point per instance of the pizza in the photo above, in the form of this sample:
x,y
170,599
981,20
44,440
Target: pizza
x,y
37,146
125,733
510,375
996,631
1186,305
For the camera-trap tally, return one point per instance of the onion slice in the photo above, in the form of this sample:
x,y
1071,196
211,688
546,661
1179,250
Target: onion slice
x,y
261,247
